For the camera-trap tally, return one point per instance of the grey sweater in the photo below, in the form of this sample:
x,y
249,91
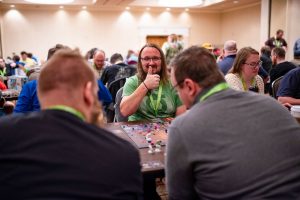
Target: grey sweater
x,y
234,145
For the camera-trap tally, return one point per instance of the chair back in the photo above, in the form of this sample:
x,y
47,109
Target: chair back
x,y
118,116
114,87
275,86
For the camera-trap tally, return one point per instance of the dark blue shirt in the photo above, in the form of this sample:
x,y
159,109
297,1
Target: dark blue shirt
x,y
226,64
290,84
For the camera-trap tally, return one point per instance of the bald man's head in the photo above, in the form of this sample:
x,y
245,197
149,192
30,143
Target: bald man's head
x,y
99,59
230,47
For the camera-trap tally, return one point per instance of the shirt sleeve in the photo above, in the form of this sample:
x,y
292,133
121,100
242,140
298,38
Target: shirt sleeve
x,y
289,84
24,100
130,86
260,84
284,43
269,42
178,170
103,94
234,82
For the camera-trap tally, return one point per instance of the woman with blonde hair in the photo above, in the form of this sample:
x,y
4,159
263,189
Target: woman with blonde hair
x,y
243,75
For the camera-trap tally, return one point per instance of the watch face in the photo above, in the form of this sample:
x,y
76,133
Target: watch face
x,y
253,89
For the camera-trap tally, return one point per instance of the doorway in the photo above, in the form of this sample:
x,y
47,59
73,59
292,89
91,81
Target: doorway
x,y
157,39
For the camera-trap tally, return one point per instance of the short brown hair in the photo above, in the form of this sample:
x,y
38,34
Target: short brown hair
x,y
66,70
198,64
241,58
163,72
279,31
279,52
266,50
57,47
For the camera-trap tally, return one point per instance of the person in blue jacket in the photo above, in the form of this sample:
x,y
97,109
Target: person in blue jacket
x,y
28,100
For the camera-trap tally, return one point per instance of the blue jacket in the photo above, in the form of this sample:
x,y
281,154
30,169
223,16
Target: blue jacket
x,y
28,100
297,48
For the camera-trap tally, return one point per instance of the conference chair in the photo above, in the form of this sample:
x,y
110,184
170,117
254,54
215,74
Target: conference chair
x,y
275,86
118,116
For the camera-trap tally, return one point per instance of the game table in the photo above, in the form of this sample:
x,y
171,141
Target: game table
x,y
134,132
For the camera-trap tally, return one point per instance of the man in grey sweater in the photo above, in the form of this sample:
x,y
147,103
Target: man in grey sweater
x,y
230,144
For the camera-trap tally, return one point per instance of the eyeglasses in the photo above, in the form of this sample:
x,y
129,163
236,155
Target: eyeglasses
x,y
148,59
254,65
177,84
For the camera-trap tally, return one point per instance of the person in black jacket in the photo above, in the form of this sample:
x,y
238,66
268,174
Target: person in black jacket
x,y
62,152
281,66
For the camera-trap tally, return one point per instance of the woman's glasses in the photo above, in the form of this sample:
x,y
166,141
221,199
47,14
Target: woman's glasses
x,y
254,65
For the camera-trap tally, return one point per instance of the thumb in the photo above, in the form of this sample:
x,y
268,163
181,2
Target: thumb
x,y
150,70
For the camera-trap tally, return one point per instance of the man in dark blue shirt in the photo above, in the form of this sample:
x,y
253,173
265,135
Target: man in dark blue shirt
x,y
229,56
289,89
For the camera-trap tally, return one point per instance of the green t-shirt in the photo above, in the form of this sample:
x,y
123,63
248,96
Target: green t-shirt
x,y
168,103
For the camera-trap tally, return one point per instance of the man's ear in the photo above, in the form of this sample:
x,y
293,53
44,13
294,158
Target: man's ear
x,y
192,87
88,93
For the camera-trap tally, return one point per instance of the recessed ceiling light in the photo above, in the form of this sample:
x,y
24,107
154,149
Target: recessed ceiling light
x,y
61,7
147,8
83,7
180,3
50,1
12,6
168,9
127,8
235,1
187,9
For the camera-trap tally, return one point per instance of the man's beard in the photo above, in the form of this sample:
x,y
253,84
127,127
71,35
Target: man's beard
x,y
97,116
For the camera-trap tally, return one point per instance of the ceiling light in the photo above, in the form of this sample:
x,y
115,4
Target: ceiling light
x,y
50,1
12,6
168,9
127,8
187,9
83,7
235,1
147,8
180,3
61,7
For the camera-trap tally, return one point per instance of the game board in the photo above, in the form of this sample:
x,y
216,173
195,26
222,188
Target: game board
x,y
138,132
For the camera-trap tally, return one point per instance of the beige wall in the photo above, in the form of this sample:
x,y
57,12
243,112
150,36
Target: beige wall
x,y
278,16
285,15
242,25
36,30
293,28
115,31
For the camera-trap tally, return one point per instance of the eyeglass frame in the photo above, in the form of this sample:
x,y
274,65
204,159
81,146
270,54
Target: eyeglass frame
x,y
177,84
258,64
148,59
